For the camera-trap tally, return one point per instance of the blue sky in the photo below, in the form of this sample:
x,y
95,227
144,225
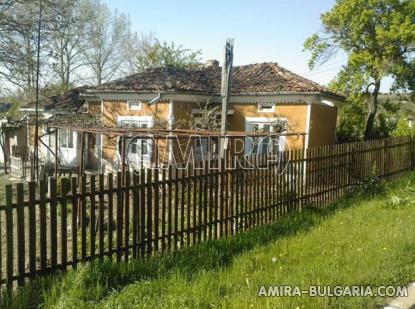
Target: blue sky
x,y
263,30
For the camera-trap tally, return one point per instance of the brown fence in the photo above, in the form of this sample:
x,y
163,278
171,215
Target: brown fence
x,y
56,225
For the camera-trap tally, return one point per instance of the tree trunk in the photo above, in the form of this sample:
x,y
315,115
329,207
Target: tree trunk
x,y
99,77
373,108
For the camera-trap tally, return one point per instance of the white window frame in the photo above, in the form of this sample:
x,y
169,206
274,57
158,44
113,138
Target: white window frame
x,y
150,122
267,110
69,135
201,148
137,107
249,121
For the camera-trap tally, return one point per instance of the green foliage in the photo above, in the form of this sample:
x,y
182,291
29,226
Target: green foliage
x,y
378,37
370,186
384,125
161,54
316,246
351,125
403,197
403,128
371,32
352,116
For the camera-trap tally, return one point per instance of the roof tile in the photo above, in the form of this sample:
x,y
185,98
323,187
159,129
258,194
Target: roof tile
x,y
254,78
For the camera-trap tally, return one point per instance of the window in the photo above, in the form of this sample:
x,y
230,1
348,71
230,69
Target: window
x,y
261,144
201,148
266,108
66,139
264,144
139,149
134,105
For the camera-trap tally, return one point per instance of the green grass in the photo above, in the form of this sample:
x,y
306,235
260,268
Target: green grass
x,y
357,241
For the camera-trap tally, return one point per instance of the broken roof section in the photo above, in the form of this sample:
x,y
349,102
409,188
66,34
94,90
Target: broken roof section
x,y
69,121
68,101
247,79
62,109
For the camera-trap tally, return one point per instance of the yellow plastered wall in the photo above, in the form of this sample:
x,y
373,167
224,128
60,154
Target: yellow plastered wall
x,y
182,113
322,125
111,111
94,108
295,114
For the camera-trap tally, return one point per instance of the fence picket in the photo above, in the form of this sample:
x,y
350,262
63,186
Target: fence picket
x,y
20,235
74,223
9,234
101,216
32,229
119,224
143,212
136,202
92,234
127,186
156,210
83,217
64,224
206,200
149,212
110,213
53,223
42,212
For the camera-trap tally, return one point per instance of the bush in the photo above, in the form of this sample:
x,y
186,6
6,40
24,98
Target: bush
x,y
403,128
370,185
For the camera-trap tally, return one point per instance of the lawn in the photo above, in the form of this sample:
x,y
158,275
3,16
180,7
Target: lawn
x,y
360,240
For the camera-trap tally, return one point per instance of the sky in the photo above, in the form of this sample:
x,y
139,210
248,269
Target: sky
x,y
264,31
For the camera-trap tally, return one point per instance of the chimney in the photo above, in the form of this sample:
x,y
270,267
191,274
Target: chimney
x,y
212,63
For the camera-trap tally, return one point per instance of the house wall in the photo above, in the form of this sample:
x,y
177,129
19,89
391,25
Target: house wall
x,y
110,112
322,125
182,115
13,137
295,114
94,108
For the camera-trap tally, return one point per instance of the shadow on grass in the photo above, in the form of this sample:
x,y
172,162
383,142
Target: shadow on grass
x,y
95,281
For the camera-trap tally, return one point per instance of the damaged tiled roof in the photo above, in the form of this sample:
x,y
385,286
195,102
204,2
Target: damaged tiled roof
x,y
73,119
82,120
70,100
253,78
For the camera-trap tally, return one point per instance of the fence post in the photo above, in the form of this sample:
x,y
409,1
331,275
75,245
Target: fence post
x,y
9,234
20,235
64,189
385,158
350,162
1,253
53,222
32,229
412,151
42,214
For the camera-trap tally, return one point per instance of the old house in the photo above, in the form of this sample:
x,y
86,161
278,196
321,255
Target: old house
x,y
68,108
261,95
166,97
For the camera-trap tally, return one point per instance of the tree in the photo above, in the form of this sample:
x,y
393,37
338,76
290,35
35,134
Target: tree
x,y
18,40
378,37
106,33
148,52
66,38
135,48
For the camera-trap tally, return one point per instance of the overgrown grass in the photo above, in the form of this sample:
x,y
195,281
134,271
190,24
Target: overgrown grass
x,y
356,241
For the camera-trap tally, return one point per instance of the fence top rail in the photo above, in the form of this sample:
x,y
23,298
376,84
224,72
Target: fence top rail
x,y
169,133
